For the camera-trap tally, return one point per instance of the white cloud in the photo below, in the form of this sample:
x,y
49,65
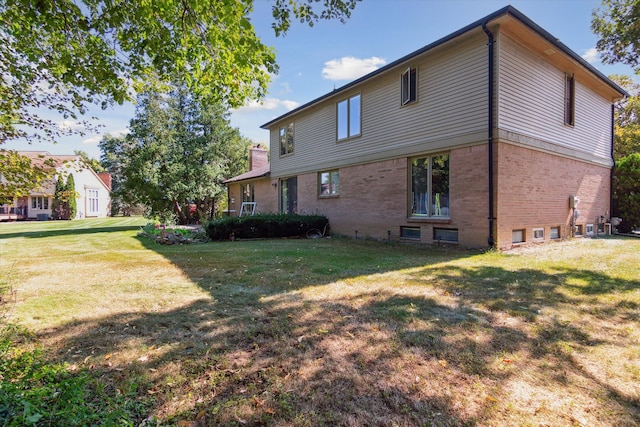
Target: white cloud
x,y
591,55
269,104
94,140
69,125
350,68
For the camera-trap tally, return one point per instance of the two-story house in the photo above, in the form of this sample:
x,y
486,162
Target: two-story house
x,y
497,134
93,190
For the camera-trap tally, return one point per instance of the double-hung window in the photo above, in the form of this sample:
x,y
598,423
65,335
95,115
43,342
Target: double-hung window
x,y
430,186
408,86
92,202
569,100
286,139
329,183
348,111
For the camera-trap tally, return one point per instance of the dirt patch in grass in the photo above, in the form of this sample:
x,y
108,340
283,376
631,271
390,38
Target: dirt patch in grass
x,y
339,332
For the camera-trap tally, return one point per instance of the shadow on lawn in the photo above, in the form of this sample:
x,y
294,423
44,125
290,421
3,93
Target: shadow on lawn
x,y
258,353
68,231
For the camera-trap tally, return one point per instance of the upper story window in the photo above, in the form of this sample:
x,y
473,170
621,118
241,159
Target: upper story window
x,y
408,86
348,111
286,139
569,100
430,186
329,183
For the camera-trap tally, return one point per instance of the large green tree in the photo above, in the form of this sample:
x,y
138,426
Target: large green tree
x,y
627,119
626,192
177,155
617,23
62,56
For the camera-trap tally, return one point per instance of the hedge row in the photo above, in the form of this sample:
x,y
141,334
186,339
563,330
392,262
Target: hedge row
x,y
265,226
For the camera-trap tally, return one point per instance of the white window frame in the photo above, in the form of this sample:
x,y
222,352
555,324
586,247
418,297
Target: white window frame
x,y
538,234
521,231
590,230
93,201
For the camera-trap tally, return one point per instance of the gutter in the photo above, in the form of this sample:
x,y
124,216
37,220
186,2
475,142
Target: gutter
x,y
491,239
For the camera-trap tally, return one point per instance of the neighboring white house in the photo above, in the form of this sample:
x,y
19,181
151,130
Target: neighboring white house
x,y
93,190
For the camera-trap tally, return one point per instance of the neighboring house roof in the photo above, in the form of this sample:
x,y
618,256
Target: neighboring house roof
x,y
257,173
40,157
506,11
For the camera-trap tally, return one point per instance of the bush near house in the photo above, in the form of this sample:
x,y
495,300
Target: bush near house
x,y
265,226
626,192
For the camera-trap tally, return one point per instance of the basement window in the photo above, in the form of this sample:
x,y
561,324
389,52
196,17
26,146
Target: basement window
x,y
590,230
554,233
517,236
538,234
578,229
445,235
410,233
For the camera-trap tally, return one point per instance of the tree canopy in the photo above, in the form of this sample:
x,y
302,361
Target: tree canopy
x,y
627,119
64,55
617,23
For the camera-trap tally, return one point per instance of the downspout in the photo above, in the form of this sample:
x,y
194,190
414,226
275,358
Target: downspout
x,y
613,160
491,240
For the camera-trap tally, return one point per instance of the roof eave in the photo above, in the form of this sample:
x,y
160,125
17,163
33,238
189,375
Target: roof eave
x,y
507,10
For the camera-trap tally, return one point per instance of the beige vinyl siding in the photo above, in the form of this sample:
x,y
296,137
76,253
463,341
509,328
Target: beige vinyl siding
x,y
531,100
451,110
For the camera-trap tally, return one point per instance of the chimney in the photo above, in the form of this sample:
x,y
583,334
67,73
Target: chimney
x,y
106,178
258,158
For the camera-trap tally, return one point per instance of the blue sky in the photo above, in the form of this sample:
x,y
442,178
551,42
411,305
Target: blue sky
x,y
314,61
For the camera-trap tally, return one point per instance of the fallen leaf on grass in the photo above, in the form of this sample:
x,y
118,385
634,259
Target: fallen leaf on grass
x,y
443,363
322,331
143,359
300,338
492,399
270,411
506,360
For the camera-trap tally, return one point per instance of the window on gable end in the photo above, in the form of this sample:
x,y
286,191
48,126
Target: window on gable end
x,y
569,99
286,140
348,117
408,86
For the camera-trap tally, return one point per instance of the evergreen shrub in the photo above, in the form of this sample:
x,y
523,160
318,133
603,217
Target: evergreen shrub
x,y
265,226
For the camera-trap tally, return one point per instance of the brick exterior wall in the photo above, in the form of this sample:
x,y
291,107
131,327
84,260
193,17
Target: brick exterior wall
x,y
374,199
533,190
265,195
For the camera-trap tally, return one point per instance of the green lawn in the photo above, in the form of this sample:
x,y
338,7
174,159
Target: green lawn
x,y
335,331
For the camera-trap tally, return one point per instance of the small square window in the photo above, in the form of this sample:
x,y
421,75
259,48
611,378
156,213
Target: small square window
x,y
517,236
410,233
578,229
445,235
538,234
329,183
554,232
590,230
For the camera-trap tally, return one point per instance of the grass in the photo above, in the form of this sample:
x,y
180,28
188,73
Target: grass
x,y
335,331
